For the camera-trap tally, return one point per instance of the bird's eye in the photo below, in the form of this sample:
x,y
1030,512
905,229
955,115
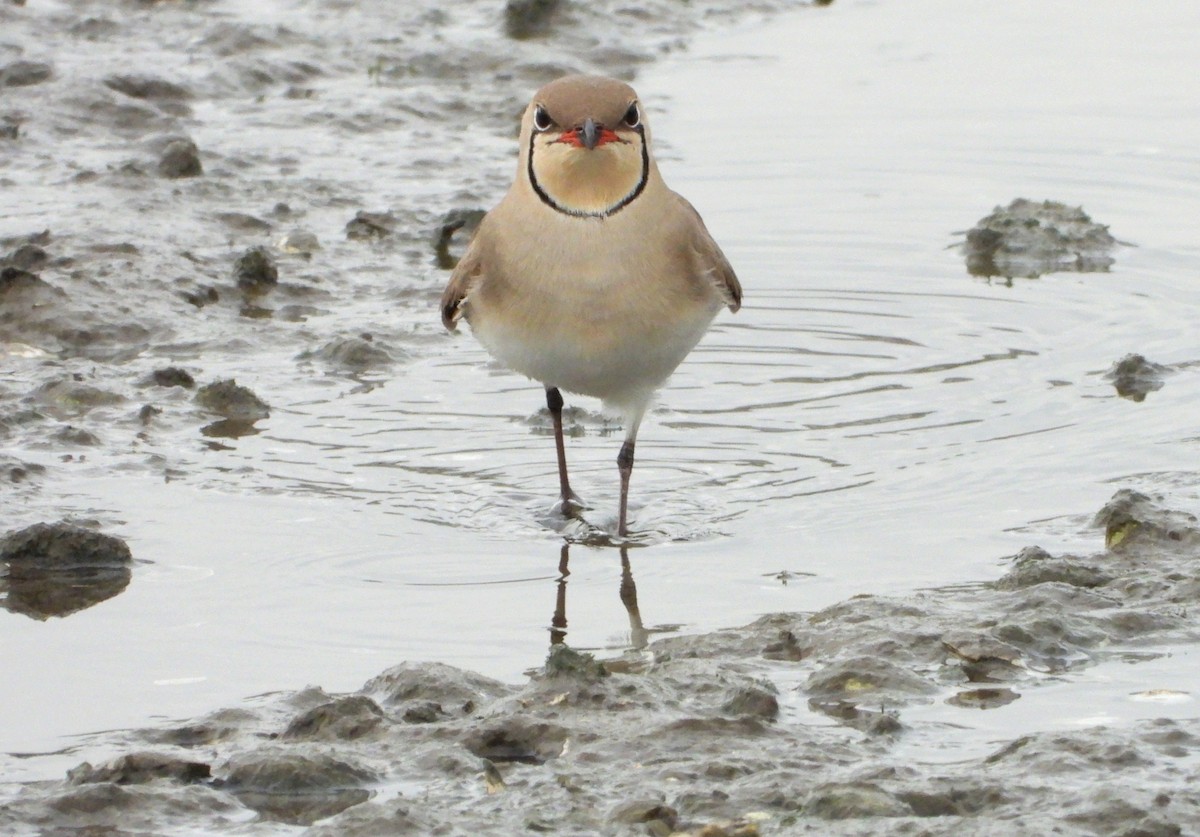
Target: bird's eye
x,y
541,119
633,116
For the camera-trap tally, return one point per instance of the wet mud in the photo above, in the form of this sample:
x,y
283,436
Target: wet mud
x,y
222,213
708,734
61,568
1028,239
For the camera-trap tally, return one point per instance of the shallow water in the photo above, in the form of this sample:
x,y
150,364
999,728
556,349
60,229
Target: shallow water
x,y
874,420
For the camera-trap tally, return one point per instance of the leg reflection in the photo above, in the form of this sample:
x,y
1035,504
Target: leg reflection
x,y
638,635
558,622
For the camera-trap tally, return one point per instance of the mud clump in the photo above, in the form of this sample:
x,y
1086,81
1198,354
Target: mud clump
x,y
296,788
1134,377
61,546
70,398
529,18
454,691
14,280
232,401
25,73
371,225
240,409
180,158
353,354
147,87
255,271
27,257
1027,239
172,376
1134,522
56,569
140,768
344,719
16,470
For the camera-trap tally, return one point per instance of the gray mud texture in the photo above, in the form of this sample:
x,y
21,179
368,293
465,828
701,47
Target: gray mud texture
x,y
170,162
1027,239
700,734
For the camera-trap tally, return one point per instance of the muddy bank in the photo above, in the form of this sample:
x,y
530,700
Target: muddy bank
x,y
219,280
169,167
705,734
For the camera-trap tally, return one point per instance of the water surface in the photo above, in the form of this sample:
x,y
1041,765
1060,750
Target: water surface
x,y
873,421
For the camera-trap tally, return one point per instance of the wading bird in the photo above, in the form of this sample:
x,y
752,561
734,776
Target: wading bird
x,y
590,275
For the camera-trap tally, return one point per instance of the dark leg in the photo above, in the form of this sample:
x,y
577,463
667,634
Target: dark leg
x,y
554,401
625,467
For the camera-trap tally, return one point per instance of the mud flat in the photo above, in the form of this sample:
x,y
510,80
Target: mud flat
x,y
224,232
703,734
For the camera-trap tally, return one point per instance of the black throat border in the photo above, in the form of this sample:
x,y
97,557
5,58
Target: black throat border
x,y
580,213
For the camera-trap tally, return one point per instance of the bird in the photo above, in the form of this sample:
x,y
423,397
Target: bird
x,y
590,275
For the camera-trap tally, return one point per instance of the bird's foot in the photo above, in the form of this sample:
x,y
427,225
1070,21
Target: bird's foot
x,y
570,505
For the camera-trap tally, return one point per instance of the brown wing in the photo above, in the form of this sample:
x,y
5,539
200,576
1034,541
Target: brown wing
x,y
712,262
466,274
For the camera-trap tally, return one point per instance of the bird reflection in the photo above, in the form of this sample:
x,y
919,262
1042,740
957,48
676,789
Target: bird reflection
x,y
638,635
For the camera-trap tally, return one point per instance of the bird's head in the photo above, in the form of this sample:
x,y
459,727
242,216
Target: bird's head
x,y
585,146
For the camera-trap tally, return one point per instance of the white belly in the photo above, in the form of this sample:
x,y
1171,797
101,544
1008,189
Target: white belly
x,y
620,360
